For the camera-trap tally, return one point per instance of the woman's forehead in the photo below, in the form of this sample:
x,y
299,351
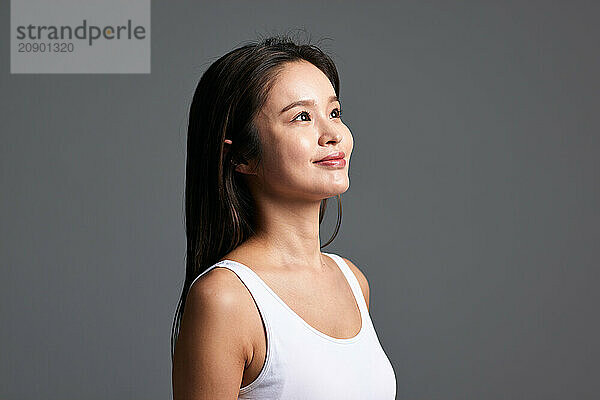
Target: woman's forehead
x,y
299,81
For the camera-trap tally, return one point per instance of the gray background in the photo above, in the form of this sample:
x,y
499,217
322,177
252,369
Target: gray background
x,y
472,210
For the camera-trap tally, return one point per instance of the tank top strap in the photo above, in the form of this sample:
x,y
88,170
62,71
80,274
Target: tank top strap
x,y
353,282
260,296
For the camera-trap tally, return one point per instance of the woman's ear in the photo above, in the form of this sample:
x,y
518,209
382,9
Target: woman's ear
x,y
247,169
243,167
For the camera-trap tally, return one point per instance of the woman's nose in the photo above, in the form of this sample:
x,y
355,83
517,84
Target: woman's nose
x,y
329,132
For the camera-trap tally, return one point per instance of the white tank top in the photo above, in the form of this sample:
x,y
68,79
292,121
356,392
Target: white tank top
x,y
304,363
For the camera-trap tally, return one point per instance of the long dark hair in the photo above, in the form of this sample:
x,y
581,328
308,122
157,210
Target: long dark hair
x,y
219,209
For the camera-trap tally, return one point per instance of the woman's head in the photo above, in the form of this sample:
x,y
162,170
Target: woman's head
x,y
299,124
239,100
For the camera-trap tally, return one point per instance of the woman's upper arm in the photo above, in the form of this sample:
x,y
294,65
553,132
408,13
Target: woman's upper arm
x,y
211,350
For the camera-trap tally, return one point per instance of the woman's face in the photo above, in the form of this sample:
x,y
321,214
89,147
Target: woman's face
x,y
294,135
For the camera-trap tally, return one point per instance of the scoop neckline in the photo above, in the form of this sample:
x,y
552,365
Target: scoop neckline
x,y
298,317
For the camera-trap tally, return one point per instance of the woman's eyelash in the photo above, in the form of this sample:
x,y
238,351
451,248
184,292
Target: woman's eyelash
x,y
339,112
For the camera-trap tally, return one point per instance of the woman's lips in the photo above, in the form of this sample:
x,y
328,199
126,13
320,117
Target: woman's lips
x,y
333,156
336,162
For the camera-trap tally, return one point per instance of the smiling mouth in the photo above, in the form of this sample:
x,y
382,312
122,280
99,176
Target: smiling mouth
x,y
330,159
332,163
339,155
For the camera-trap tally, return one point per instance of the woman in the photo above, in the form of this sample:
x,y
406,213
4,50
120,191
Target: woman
x,y
264,314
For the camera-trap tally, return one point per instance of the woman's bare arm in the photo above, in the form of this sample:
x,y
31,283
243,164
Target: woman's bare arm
x,y
212,348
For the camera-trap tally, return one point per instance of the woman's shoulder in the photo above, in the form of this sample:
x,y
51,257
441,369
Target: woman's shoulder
x,y
217,298
219,295
219,286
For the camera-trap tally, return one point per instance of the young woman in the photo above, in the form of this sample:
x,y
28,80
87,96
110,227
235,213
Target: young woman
x,y
264,314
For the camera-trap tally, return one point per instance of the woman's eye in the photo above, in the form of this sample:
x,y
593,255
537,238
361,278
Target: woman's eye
x,y
302,113
337,113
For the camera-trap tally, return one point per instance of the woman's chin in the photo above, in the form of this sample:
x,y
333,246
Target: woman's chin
x,y
340,188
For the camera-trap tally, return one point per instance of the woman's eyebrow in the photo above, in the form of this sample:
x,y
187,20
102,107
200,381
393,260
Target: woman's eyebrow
x,y
305,103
